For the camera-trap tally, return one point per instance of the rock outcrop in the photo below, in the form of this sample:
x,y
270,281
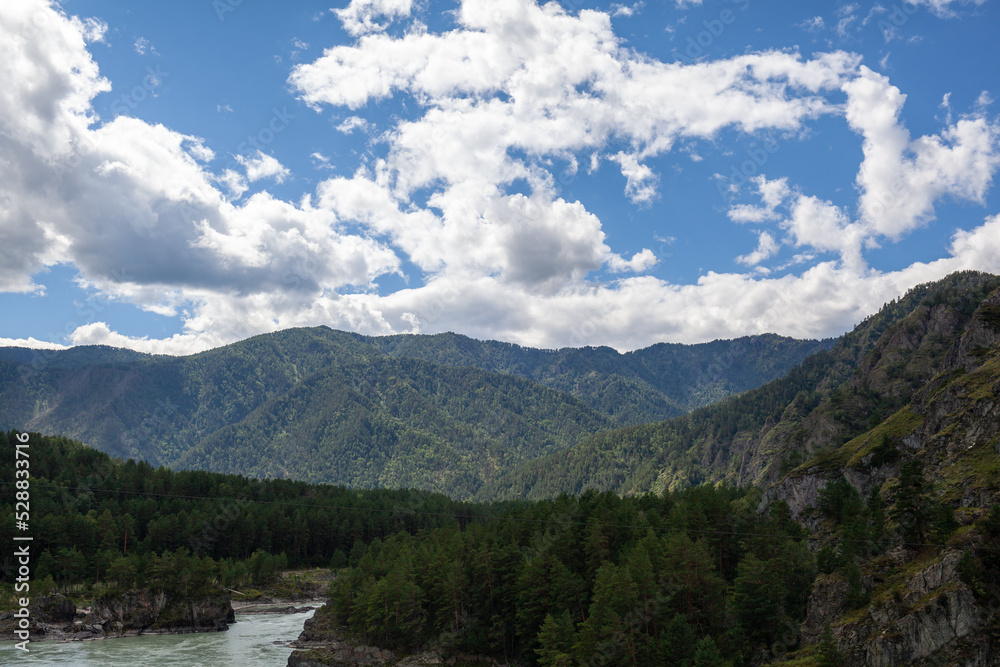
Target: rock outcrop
x,y
930,615
152,612
323,643
49,617
919,610
127,614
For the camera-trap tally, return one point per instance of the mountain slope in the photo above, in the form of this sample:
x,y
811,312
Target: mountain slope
x,y
437,410
651,384
934,468
832,397
398,423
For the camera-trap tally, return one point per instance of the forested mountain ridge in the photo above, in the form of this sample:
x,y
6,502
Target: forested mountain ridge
x,y
873,537
652,384
441,412
755,437
398,423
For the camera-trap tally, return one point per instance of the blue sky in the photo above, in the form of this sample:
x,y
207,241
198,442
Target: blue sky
x,y
177,177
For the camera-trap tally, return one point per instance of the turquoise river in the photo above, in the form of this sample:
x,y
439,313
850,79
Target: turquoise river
x,y
250,642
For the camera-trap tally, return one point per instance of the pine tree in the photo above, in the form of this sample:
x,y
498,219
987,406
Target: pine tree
x,y
555,641
829,656
677,642
706,654
912,502
758,599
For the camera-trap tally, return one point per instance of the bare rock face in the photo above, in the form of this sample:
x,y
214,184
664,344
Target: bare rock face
x,y
982,334
323,643
50,617
931,614
126,614
196,614
826,604
54,610
800,492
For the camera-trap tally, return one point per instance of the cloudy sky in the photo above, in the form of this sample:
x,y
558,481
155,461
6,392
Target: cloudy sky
x,y
177,176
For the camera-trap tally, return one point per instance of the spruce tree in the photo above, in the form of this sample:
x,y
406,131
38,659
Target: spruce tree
x,y
829,656
555,641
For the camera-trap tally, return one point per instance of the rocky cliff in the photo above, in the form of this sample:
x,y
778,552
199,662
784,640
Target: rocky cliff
x,y
934,599
49,617
143,611
131,613
755,438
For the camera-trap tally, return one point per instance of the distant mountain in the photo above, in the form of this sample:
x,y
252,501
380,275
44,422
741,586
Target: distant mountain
x,y
756,437
74,356
398,423
440,412
648,385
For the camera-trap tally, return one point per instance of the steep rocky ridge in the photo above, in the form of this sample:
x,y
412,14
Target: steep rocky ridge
x,y
926,604
754,438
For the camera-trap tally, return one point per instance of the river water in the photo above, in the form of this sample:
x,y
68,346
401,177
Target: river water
x,y
247,643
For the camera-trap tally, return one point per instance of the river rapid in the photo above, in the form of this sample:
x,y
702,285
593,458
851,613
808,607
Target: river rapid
x,y
248,643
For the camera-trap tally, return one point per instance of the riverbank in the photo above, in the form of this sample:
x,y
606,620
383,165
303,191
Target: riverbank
x,y
277,606
127,614
322,643
253,641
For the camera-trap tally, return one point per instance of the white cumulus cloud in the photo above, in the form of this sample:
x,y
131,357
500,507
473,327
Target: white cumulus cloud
x,y
362,16
466,190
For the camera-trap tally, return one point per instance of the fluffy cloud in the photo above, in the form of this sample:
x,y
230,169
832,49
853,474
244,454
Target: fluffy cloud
x,y
132,205
619,9
818,224
41,52
641,186
361,16
263,166
516,89
466,190
766,247
900,178
773,194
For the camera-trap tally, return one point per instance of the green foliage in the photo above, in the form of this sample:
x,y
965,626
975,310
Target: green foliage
x,y
596,579
990,315
706,654
120,524
942,521
827,559
838,499
555,641
844,392
912,506
856,594
677,642
827,653
884,453
326,406
758,600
